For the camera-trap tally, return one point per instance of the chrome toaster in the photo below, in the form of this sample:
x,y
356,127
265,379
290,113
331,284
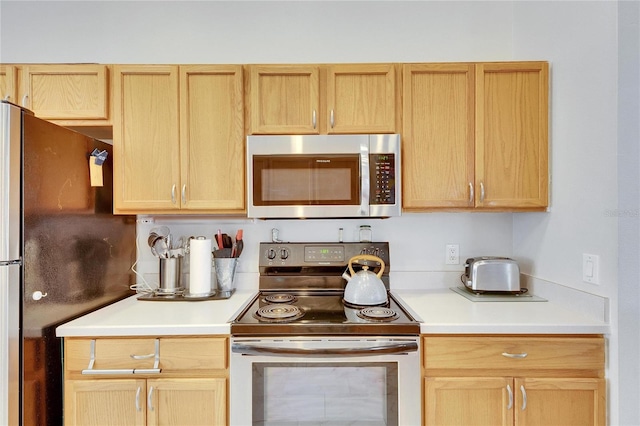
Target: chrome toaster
x,y
491,274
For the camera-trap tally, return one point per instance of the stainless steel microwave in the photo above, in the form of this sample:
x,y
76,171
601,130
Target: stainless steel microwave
x,y
323,176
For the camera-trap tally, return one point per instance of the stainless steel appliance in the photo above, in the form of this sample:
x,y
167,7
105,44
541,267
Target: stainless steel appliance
x,y
323,176
62,254
492,274
299,354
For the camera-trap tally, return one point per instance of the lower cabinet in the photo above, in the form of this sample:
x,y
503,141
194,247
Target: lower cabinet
x,y
146,402
146,381
514,380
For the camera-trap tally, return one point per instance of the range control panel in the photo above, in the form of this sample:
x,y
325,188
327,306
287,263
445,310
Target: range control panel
x,y
318,254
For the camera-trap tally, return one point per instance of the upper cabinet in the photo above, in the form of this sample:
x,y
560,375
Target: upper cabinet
x,y
475,136
66,92
178,139
438,136
146,138
284,99
212,169
512,114
310,99
361,98
9,83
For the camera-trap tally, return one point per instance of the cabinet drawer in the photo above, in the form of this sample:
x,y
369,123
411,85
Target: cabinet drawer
x,y
513,352
175,353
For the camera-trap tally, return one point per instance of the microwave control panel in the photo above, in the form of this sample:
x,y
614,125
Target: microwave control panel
x,y
382,175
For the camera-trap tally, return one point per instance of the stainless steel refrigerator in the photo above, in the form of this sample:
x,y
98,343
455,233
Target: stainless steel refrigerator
x,y
62,254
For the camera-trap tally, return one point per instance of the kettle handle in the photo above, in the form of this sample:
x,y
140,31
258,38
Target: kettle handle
x,y
367,257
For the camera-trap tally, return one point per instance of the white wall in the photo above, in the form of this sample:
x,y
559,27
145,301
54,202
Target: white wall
x,y
580,39
629,211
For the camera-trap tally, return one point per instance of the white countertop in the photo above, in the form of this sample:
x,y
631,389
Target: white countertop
x,y
133,317
444,311
440,311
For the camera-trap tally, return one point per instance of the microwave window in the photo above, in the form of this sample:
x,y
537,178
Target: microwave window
x,y
307,180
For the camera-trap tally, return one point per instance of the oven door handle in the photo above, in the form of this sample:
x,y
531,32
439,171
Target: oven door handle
x,y
399,348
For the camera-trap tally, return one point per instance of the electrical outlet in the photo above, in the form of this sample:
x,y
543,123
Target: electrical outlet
x,y
452,254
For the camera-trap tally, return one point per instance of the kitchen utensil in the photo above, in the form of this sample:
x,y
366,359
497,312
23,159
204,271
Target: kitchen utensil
x,y
239,244
365,288
159,240
219,241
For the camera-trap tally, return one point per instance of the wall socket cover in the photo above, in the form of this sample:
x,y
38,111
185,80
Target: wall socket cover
x,y
452,254
590,268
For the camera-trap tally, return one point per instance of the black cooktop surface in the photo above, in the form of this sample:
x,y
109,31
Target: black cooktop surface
x,y
320,313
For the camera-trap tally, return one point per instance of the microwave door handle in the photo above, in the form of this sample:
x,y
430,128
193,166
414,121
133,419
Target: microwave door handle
x,y
365,183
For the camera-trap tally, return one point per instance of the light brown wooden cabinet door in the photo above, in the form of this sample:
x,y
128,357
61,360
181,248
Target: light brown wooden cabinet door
x,y
284,99
560,402
361,98
438,136
66,92
9,83
146,138
512,134
105,401
187,402
212,138
468,401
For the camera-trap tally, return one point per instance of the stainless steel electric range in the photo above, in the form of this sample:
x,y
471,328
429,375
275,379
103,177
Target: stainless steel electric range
x,y
299,355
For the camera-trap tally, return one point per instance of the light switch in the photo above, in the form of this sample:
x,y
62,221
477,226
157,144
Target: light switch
x,y
590,268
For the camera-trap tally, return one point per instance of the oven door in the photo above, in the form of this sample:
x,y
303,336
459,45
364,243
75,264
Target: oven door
x,y
325,380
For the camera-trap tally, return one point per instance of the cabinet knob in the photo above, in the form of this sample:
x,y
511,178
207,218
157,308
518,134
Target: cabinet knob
x,y
481,192
471,193
332,119
173,194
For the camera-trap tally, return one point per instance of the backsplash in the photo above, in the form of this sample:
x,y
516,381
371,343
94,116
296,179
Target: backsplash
x,y
417,241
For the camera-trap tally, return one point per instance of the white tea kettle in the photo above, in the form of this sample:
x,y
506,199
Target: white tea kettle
x,y
365,288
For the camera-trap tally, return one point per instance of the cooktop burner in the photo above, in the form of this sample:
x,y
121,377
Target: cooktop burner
x,y
280,298
278,313
378,313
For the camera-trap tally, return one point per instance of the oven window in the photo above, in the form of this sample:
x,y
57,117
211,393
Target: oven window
x,y
335,393
306,180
